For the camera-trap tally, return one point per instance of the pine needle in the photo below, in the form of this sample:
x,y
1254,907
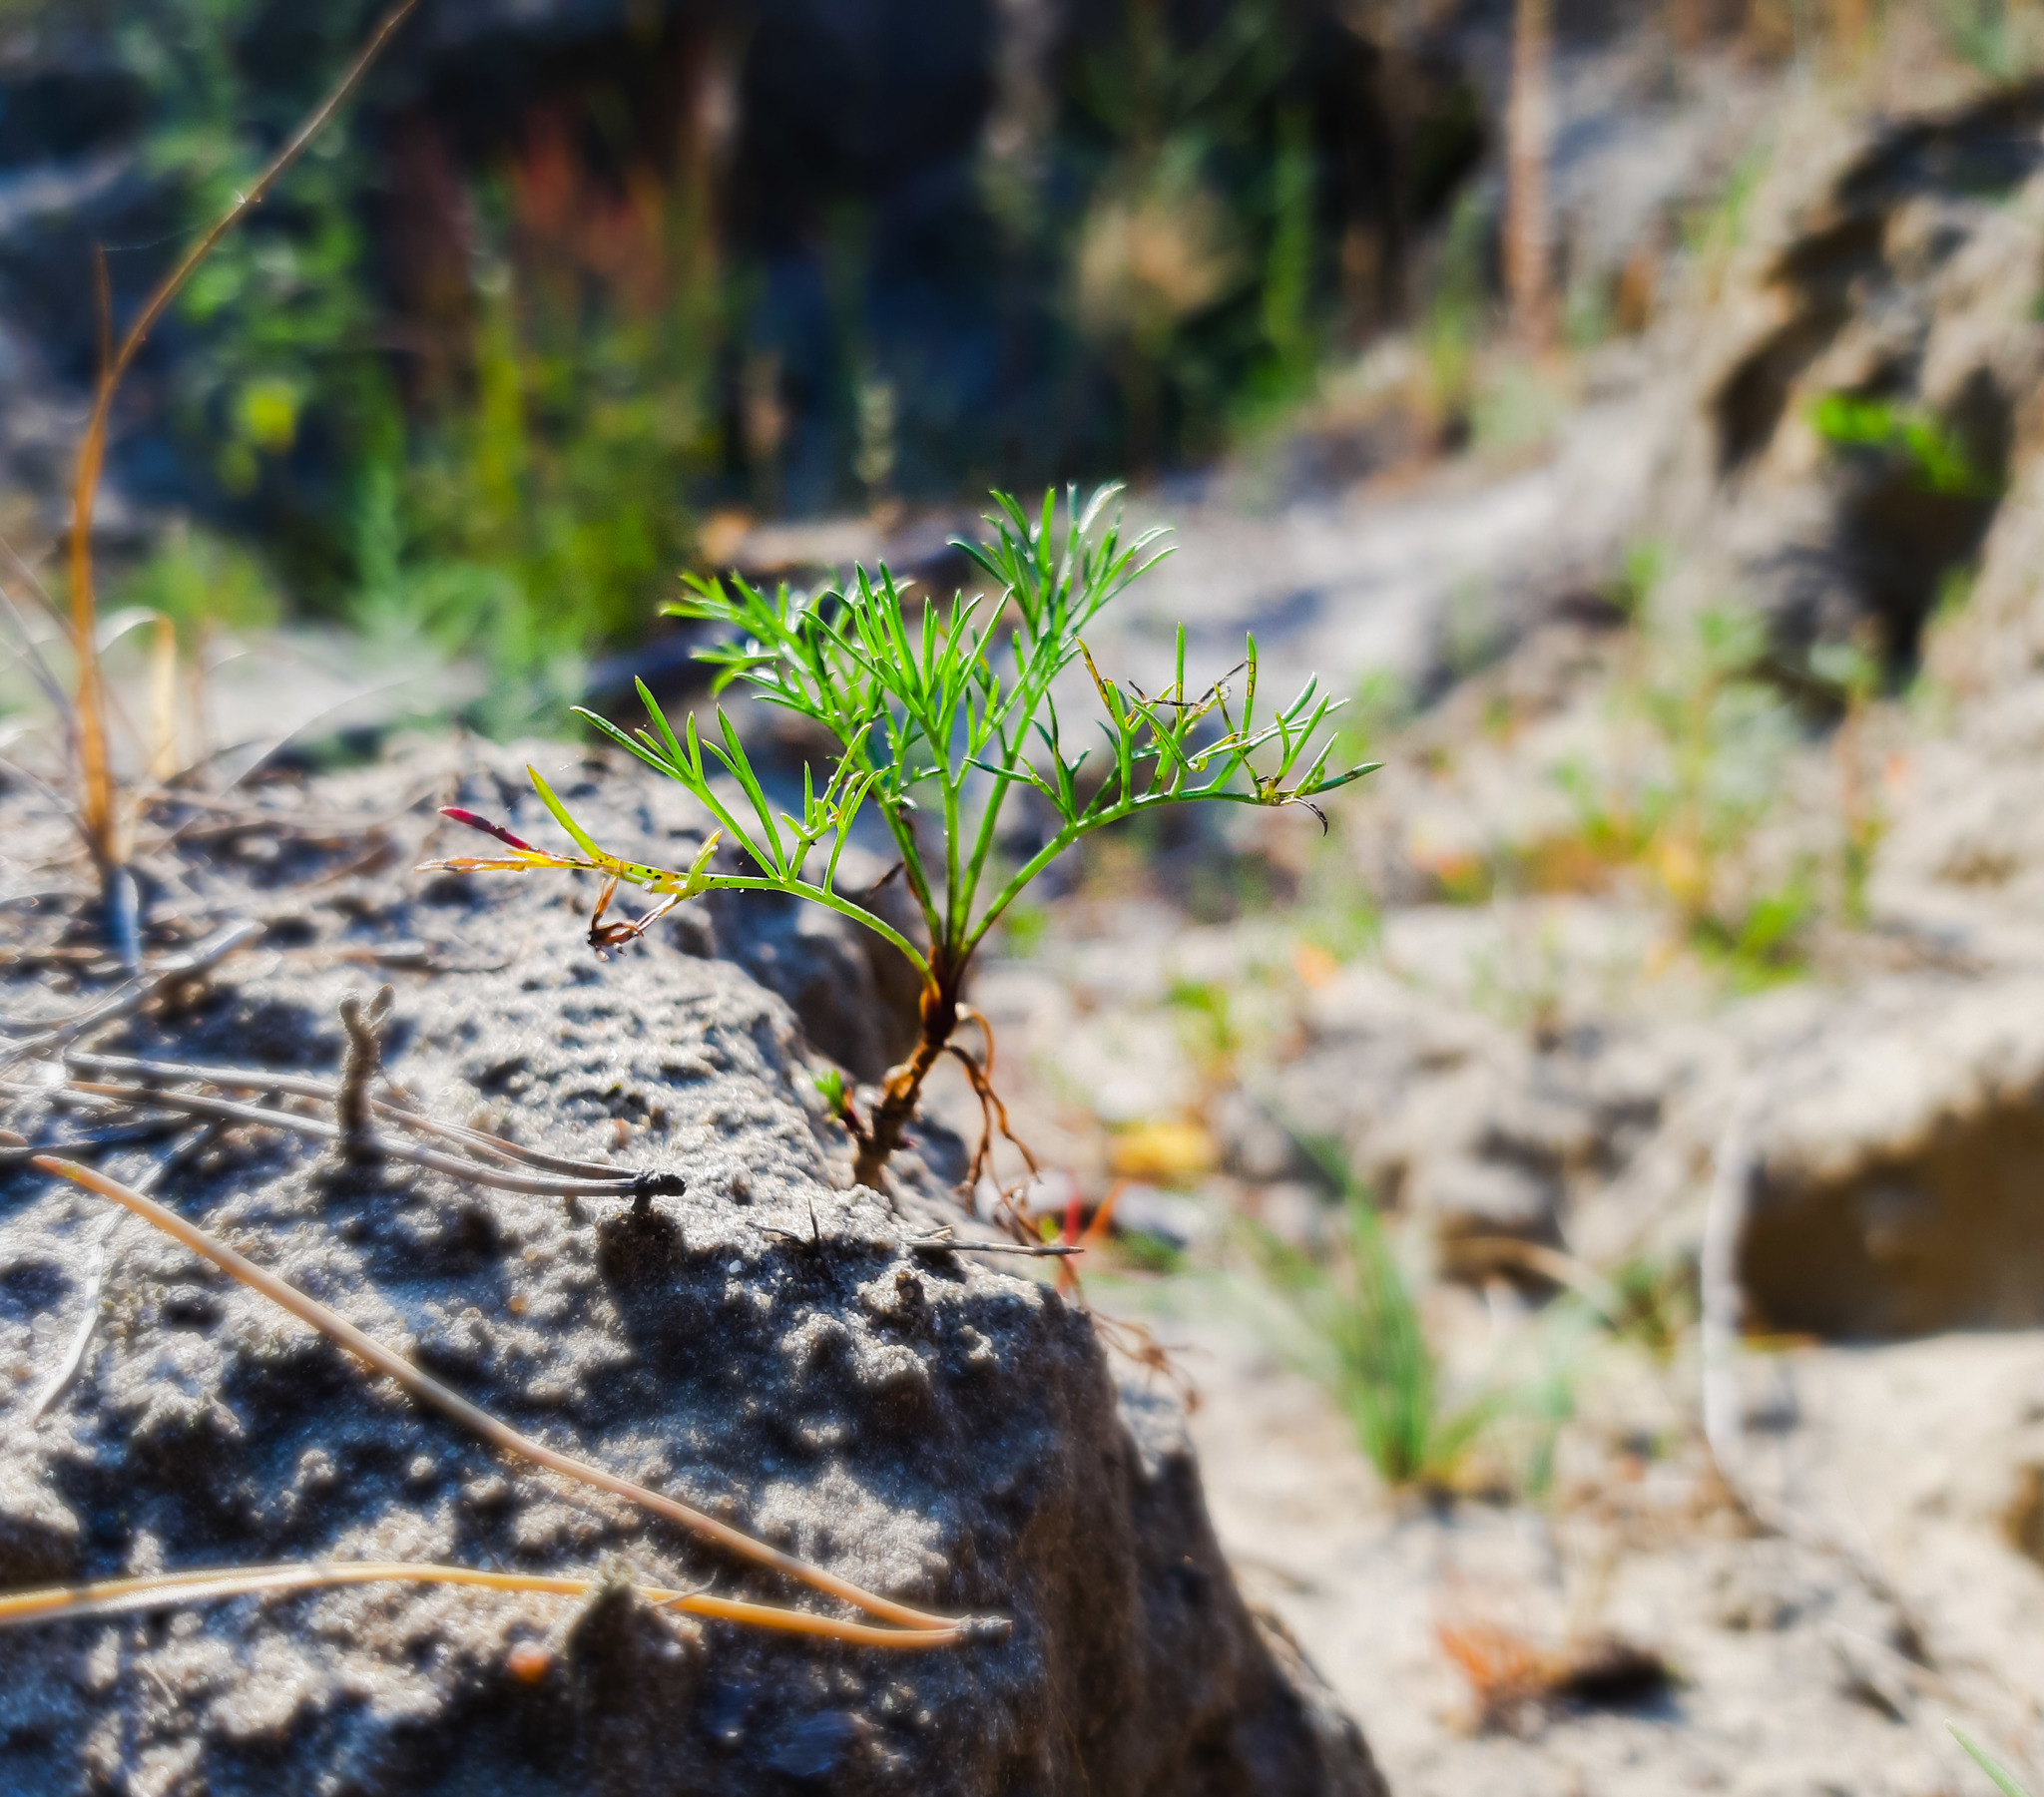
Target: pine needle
x,y
948,1629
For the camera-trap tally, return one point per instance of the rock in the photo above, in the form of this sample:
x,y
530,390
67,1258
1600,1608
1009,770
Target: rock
x,y
765,1345
1928,1453
1898,1155
39,1532
1892,266
857,995
1444,1113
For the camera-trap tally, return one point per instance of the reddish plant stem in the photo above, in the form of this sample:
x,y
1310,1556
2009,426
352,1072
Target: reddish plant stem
x,y
880,1137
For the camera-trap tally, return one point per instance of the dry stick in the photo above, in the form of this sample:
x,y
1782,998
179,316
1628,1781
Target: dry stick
x,y
472,1417
96,768
118,1596
237,1078
618,1185
945,1242
132,997
605,1182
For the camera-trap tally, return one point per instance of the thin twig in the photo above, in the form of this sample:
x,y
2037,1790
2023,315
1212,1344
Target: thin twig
x,y
31,653
131,998
480,1422
619,1186
235,1078
944,1241
162,1590
14,1154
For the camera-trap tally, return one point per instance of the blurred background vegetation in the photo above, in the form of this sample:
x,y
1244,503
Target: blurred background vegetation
x,y
578,287
572,281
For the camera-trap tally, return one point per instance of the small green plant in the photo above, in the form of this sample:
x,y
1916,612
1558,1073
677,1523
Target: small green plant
x,y
1656,1302
946,718
1209,1024
2005,1780
1936,455
1457,315
1760,943
1985,34
1686,809
1713,234
1369,1346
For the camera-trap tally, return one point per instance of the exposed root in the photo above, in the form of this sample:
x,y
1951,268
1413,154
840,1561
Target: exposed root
x,y
1137,1342
993,1120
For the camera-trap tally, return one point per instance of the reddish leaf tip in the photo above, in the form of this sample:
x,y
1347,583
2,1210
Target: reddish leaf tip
x,y
488,829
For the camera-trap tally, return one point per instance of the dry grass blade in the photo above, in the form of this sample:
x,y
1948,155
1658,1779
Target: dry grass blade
x,y
481,1423
163,1591
96,1272
1484,1254
96,771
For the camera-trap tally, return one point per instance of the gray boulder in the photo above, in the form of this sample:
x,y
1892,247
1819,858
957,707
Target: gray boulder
x,y
766,1346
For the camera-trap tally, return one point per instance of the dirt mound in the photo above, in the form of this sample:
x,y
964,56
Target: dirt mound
x,y
1865,374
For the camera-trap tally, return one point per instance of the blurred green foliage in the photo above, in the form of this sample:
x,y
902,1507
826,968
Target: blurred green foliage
x,y
503,442
1990,35
1360,1329
517,492
197,578
1936,455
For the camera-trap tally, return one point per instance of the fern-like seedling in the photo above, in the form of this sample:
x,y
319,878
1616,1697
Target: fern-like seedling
x,y
942,712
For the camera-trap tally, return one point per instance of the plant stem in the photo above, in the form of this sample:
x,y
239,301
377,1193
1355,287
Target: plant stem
x,y
882,1135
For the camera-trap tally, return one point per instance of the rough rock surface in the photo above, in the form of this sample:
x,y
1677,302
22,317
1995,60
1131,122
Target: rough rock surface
x,y
1899,1155
1894,270
765,1346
